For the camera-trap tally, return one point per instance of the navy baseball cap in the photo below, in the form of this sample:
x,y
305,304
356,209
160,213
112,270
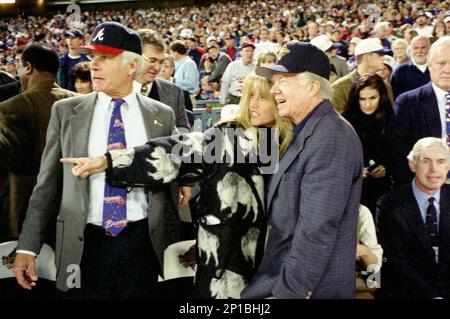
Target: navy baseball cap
x,y
114,38
247,44
74,33
298,57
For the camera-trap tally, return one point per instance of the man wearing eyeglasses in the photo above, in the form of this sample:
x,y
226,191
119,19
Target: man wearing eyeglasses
x,y
153,48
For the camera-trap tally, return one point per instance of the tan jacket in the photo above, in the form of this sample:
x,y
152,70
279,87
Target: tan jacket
x,y
23,125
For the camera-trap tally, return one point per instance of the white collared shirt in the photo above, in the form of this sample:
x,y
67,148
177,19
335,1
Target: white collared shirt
x,y
138,85
423,68
135,135
442,100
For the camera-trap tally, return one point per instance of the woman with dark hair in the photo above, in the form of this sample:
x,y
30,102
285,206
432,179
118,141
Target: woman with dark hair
x,y
81,75
369,111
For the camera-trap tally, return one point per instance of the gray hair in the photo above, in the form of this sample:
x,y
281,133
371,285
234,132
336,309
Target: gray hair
x,y
400,42
443,41
427,143
382,26
325,86
128,57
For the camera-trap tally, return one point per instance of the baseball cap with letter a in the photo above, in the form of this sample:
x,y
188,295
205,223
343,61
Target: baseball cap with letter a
x,y
114,38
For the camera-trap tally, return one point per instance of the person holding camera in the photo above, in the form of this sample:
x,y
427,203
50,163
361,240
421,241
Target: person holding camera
x,y
369,110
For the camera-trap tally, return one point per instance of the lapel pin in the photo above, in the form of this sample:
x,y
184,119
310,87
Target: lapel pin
x,y
157,122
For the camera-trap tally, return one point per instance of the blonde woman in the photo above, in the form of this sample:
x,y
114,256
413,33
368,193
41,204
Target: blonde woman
x,y
231,222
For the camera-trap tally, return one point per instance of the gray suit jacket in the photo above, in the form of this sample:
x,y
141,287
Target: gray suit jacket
x,y
312,212
172,95
59,196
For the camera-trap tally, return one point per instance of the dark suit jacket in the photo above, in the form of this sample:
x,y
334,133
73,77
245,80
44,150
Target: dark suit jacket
x,y
410,269
407,77
416,115
173,96
312,205
9,90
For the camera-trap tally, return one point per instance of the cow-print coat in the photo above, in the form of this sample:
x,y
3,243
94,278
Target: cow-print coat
x,y
231,221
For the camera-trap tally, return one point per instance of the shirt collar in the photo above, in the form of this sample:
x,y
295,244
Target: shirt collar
x,y
440,93
421,197
138,85
422,68
105,99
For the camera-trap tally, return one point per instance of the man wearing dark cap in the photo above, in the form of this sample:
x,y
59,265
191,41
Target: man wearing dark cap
x,y
23,124
221,61
74,39
233,78
313,198
109,239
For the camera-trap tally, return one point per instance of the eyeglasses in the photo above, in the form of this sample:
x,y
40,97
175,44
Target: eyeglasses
x,y
153,60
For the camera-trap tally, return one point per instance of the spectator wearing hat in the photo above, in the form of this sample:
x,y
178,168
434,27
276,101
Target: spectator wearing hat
x,y
74,39
338,64
233,78
369,58
421,112
386,72
414,73
230,48
422,25
23,124
336,37
194,51
311,242
221,61
186,72
111,233
399,48
351,61
447,23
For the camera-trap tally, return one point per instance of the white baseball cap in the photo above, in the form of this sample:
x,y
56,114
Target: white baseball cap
x,y
447,19
370,45
389,61
323,43
229,112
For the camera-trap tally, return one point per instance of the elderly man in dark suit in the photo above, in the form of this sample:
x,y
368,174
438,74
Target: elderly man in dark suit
x,y
111,237
23,123
313,198
422,112
414,227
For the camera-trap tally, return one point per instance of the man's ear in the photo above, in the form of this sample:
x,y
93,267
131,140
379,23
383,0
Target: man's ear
x,y
28,68
133,68
411,166
314,88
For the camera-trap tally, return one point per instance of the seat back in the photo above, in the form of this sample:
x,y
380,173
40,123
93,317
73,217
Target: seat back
x,y
45,263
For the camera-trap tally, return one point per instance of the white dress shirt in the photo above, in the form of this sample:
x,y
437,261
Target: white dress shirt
x,y
137,86
135,135
422,67
442,100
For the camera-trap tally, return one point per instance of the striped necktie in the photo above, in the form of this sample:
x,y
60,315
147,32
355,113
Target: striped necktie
x,y
447,120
